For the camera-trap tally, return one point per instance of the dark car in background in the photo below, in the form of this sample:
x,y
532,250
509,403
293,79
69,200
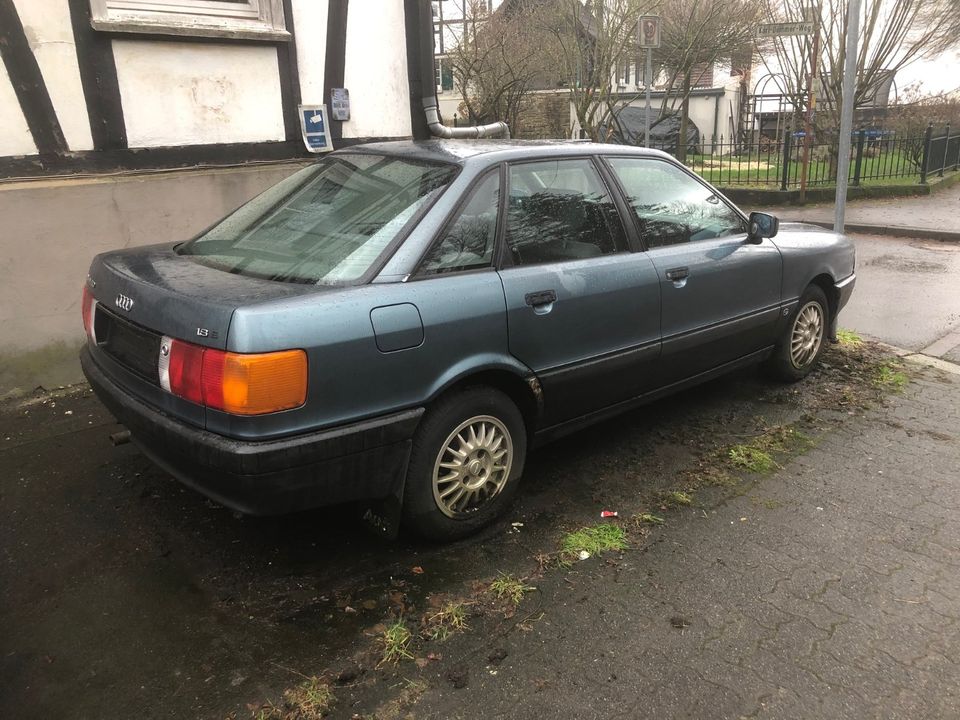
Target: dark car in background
x,y
400,323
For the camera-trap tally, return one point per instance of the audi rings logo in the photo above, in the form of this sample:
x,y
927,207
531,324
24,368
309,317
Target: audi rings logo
x,y
124,302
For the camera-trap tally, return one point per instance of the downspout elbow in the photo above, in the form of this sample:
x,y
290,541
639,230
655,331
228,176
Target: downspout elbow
x,y
438,129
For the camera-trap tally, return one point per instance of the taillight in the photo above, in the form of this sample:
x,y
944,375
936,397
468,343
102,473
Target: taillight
x,y
88,306
237,383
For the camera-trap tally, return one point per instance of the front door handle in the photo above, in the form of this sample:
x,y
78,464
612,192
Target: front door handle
x,y
543,297
679,273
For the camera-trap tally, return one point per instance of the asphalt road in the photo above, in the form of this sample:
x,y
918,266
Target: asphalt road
x,y
907,294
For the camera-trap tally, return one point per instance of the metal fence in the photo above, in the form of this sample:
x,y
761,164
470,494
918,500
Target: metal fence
x,y
877,157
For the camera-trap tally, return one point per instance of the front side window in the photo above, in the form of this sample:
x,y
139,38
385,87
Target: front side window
x,y
672,207
467,242
327,224
560,210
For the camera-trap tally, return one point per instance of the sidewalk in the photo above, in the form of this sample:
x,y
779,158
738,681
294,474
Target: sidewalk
x,y
828,591
937,214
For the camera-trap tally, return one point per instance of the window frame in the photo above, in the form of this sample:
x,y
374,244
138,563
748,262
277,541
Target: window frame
x,y
635,220
465,197
248,19
505,259
451,218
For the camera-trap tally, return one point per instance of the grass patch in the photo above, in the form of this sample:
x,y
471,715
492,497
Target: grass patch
x,y
752,459
310,700
785,439
677,498
848,338
648,519
507,587
395,643
890,377
449,619
593,539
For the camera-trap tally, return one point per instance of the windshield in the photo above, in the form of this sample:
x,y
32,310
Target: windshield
x,y
326,224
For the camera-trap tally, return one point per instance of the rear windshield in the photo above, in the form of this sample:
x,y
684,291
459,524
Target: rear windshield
x,y
326,224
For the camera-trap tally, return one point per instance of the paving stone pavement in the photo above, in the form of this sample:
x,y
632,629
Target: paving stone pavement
x,y
829,590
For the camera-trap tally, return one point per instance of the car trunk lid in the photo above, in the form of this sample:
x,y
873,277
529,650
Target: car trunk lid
x,y
153,291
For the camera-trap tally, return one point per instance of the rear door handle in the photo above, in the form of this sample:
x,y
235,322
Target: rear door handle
x,y
679,273
543,297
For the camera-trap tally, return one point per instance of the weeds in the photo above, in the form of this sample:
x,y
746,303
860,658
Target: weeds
x,y
785,439
396,644
310,700
648,519
450,618
848,338
677,498
594,540
890,376
507,587
752,459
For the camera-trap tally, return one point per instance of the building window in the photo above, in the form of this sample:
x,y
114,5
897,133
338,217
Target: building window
x,y
443,70
259,19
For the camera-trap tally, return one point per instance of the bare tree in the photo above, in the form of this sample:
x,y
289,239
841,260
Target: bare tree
x,y
893,34
697,34
500,59
587,40
914,111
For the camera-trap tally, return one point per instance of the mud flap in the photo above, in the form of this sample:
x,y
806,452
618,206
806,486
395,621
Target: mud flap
x,y
382,517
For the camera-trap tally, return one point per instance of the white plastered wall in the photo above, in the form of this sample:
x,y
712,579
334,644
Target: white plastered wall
x,y
310,30
177,93
47,26
15,137
376,71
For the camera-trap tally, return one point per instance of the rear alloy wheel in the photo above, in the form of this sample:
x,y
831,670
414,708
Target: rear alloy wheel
x,y
467,456
802,340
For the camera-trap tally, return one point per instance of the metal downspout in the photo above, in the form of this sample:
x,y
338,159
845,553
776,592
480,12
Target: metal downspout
x,y
430,104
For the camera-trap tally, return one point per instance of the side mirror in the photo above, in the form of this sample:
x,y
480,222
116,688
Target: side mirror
x,y
762,225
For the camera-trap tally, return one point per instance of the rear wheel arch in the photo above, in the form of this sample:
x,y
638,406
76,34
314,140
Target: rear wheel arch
x,y
525,392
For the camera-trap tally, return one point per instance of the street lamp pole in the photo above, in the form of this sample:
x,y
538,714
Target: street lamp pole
x,y
846,112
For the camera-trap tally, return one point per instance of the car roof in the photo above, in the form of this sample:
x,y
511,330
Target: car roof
x,y
462,152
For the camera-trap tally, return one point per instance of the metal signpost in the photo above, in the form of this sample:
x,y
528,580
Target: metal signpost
x,y
648,37
846,112
809,25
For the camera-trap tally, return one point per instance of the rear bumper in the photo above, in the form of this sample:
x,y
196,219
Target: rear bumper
x,y
360,461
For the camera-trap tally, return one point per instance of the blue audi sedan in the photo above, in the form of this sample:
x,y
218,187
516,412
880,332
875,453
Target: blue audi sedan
x,y
400,323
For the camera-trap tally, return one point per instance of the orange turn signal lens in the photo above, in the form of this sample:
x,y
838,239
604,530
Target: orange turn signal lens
x,y
255,384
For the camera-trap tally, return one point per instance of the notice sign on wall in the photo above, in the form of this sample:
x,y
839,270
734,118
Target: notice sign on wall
x,y
313,123
340,104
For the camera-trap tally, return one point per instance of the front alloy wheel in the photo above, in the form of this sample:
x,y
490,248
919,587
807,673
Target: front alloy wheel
x,y
801,340
807,334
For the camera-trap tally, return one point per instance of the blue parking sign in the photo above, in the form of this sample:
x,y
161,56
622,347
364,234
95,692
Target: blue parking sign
x,y
313,122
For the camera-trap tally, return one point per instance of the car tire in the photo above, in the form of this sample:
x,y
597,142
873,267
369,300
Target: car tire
x,y
465,464
803,338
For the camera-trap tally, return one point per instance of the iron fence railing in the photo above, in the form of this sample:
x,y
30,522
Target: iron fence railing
x,y
876,157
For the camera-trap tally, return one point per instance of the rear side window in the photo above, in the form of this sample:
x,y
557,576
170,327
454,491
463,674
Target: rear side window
x,y
327,224
560,210
467,243
673,208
